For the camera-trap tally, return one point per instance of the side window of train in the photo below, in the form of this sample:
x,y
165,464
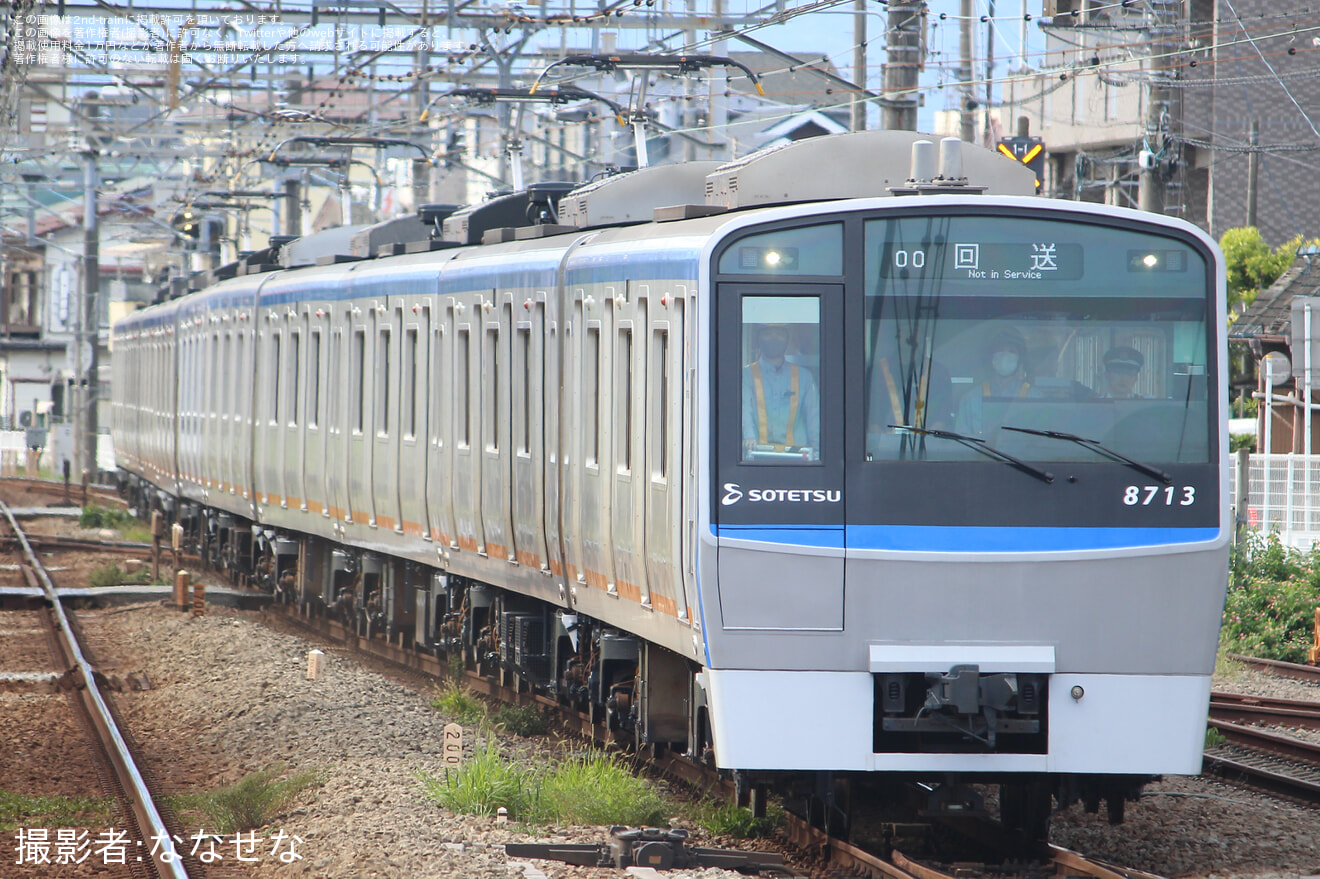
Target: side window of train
x,y
295,374
780,359
314,379
276,377
358,376
383,370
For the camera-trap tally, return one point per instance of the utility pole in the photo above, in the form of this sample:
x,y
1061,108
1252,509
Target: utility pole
x,y
1253,171
966,94
1157,151
91,323
858,115
904,38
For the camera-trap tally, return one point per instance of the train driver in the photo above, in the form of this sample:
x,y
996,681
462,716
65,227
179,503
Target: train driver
x,y
906,391
1123,364
1006,379
780,404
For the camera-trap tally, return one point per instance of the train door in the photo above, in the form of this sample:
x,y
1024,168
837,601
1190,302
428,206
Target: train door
x,y
496,470
362,338
387,405
595,464
629,426
295,422
529,453
573,439
314,420
663,470
247,347
440,473
414,391
268,438
779,461
468,312
554,403
338,502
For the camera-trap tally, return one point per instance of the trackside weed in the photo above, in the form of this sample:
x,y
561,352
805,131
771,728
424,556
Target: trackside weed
x,y
20,810
597,788
484,783
252,801
460,705
522,720
727,819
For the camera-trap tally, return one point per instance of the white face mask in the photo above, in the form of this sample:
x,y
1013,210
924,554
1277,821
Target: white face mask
x,y
1004,362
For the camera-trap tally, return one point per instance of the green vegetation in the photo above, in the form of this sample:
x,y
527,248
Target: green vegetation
x,y
19,810
522,720
1213,738
136,534
597,788
106,575
1238,441
726,819
251,802
461,705
1273,591
100,517
484,783
592,788
1252,265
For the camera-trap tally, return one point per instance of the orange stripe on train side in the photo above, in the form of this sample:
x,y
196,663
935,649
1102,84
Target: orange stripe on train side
x,y
315,507
556,568
467,543
530,559
629,590
293,501
414,529
359,518
665,605
497,550
385,522
597,580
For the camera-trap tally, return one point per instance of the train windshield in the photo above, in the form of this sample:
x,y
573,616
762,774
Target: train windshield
x,y
1048,341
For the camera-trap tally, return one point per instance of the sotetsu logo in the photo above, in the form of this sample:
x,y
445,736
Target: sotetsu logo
x,y
733,493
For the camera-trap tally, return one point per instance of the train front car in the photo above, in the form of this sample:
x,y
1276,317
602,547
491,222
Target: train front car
x,y
967,495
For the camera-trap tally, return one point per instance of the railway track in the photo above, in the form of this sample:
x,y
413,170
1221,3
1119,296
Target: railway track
x,y
118,770
1241,709
71,493
829,855
1292,670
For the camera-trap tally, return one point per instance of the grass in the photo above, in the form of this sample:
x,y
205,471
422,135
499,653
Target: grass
x,y
251,802
1213,737
101,517
1225,668
460,705
592,788
522,720
106,575
136,534
20,810
726,819
483,784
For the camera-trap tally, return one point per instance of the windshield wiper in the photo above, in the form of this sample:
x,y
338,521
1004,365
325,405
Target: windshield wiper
x,y
1098,449
980,445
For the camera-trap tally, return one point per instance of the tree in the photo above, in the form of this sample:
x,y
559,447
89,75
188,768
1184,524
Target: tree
x,y
1251,265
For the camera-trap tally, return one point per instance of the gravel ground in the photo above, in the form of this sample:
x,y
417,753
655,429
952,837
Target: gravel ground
x,y
230,692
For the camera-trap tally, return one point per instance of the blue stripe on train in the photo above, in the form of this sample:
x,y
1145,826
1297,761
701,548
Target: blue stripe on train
x,y
939,538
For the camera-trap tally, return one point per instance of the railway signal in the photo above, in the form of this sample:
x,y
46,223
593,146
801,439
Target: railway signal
x,y
1030,151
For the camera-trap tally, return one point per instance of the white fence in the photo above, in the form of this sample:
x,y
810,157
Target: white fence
x,y
1283,495
14,457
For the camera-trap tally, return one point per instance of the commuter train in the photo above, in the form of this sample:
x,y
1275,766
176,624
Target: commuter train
x,y
529,438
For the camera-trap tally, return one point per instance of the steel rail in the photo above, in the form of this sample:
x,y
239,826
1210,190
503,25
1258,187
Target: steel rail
x,y
1266,778
1263,740
1233,708
1283,669
144,809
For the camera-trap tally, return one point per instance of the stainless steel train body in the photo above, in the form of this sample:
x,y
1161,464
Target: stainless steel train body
x,y
563,420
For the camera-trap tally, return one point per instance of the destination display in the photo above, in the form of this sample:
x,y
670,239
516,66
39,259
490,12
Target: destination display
x,y
1035,261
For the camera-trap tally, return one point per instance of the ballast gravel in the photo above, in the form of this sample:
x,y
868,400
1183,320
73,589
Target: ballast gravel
x,y
230,695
